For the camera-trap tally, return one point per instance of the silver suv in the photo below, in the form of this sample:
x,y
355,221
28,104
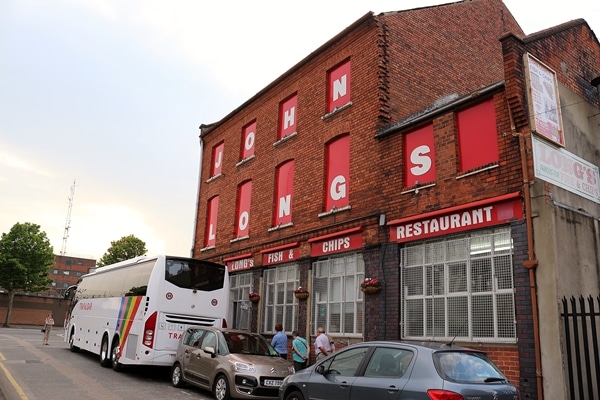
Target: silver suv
x,y
229,363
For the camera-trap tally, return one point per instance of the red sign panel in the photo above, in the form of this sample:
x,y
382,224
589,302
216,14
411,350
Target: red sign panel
x,y
287,117
217,160
420,156
480,214
330,244
281,256
239,263
211,227
338,174
243,221
283,195
477,135
339,87
249,139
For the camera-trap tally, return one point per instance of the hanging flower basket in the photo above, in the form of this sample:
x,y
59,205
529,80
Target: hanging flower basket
x,y
301,293
370,286
254,297
371,289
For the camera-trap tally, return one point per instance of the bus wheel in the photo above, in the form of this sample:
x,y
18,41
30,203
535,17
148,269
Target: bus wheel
x,y
104,354
176,378
221,388
72,347
116,365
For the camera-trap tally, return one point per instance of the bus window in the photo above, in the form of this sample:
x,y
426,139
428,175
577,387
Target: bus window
x,y
195,274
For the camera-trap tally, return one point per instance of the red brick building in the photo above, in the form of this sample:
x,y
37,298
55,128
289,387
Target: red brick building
x,y
402,150
32,308
66,272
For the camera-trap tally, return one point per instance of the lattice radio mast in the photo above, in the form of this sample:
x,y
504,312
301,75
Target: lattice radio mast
x,y
68,223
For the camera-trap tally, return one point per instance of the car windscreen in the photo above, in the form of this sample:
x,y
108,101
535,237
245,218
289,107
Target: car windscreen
x,y
467,367
248,343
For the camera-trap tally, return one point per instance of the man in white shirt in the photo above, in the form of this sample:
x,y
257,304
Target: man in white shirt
x,y
322,344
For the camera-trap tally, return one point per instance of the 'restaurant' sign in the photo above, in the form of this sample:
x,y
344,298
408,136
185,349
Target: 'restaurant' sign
x,y
476,215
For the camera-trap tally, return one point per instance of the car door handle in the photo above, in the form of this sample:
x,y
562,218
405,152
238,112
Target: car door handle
x,y
344,385
393,388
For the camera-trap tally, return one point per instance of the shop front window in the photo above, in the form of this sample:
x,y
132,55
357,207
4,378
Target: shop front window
x,y
460,287
279,303
338,301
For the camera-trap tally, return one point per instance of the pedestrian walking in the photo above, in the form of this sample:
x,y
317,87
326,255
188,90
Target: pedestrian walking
x,y
48,324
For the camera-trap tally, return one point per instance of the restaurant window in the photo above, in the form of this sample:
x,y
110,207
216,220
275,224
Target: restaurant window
x,y
240,312
338,301
460,287
279,301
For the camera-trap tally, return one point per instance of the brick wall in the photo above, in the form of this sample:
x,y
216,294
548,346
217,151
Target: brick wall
x,y
32,310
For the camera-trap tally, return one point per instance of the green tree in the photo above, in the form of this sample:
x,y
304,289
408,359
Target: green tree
x,y
123,249
26,257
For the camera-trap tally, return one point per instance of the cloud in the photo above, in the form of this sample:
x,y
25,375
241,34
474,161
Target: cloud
x,y
98,224
15,162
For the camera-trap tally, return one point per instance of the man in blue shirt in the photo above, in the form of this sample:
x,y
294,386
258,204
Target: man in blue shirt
x,y
280,341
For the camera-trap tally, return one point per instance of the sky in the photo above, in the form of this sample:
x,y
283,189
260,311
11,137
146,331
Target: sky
x,y
106,97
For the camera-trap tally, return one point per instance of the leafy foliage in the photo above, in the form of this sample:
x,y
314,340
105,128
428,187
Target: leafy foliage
x,y
123,249
26,257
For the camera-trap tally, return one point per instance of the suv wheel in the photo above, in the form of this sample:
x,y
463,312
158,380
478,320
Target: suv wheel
x,y
221,389
176,378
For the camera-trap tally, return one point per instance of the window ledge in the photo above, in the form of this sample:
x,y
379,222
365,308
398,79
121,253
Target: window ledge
x,y
334,210
239,239
336,110
212,178
207,248
416,188
280,226
478,170
285,138
245,160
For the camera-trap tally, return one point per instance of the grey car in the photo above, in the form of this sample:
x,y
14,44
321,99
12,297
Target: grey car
x,y
400,370
229,363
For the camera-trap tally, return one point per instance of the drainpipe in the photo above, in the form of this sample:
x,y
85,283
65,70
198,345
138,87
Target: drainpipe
x,y
197,193
531,263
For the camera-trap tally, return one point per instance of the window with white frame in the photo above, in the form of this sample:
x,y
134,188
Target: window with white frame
x,y
280,304
240,312
337,300
459,287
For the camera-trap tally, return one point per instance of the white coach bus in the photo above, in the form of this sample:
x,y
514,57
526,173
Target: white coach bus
x,y
135,311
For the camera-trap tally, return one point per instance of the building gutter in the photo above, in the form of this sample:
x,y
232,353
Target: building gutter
x,y
531,263
196,218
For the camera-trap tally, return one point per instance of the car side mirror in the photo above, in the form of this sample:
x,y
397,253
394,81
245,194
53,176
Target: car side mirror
x,y
210,350
321,370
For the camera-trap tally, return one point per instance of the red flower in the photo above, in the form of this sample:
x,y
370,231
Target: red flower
x,y
370,282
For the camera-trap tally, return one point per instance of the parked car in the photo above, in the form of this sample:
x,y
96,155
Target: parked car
x,y
230,363
400,370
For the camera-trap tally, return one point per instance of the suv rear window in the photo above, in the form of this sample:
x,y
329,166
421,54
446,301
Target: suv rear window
x,y
467,367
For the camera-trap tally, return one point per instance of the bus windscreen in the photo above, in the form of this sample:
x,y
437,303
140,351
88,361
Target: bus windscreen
x,y
195,274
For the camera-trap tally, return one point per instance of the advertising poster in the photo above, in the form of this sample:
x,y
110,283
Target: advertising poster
x,y
544,102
